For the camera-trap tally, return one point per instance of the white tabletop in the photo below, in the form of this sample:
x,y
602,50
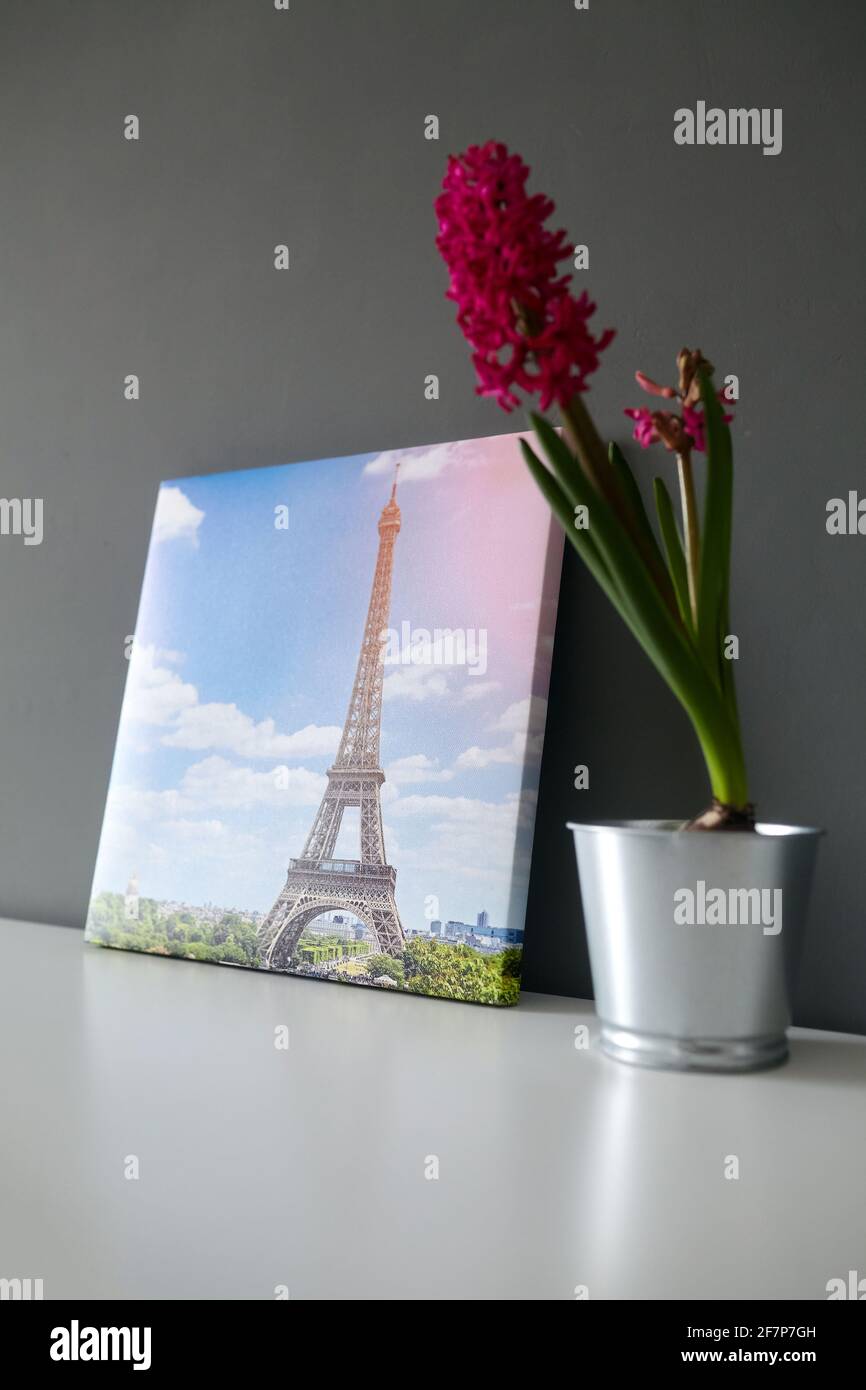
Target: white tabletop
x,y
307,1168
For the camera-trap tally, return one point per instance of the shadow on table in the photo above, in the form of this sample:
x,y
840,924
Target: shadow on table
x,y
839,1061
535,1003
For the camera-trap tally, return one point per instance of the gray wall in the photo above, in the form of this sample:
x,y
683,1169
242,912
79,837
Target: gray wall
x,y
306,127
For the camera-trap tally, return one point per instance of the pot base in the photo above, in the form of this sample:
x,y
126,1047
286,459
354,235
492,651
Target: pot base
x,y
693,1054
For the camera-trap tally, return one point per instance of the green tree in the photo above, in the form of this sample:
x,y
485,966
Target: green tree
x,y
380,964
459,972
511,961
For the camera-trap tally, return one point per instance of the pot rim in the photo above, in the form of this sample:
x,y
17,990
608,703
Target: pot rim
x,y
768,829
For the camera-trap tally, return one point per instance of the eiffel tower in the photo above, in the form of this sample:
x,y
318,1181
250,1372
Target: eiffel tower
x,y
317,882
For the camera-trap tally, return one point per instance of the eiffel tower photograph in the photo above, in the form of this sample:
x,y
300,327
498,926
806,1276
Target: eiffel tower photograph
x,y
317,882
330,742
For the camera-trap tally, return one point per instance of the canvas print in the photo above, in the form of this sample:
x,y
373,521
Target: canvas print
x,y
329,746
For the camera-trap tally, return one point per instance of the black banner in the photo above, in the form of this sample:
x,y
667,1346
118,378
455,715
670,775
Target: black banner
x,y
157,1339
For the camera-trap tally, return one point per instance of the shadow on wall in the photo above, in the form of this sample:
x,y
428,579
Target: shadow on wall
x,y
610,712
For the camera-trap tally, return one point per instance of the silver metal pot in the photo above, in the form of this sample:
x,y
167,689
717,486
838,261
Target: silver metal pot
x,y
694,939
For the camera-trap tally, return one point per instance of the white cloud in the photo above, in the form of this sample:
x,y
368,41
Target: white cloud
x,y
420,464
131,804
416,465
165,656
522,715
215,782
467,810
415,768
455,808
524,720
476,758
415,683
477,839
176,517
197,829
206,839
155,694
479,690
217,725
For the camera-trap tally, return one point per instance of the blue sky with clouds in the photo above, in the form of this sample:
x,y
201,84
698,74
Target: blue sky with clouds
x,y
245,652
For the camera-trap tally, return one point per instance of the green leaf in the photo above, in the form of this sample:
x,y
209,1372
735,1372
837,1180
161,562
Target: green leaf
x,y
662,637
729,688
674,549
632,494
563,508
716,541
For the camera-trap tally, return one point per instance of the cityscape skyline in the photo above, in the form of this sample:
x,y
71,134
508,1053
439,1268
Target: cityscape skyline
x,y
214,912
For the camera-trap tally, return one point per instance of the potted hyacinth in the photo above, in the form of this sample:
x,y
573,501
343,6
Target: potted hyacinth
x,y
694,927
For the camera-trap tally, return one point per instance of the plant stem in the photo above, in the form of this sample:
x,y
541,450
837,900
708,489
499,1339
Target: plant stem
x,y
691,528
586,445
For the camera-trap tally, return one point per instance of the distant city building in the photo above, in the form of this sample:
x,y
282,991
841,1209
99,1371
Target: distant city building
x,y
481,936
510,935
331,926
130,901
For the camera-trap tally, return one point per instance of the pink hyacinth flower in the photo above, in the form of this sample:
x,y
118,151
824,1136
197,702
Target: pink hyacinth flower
x,y
644,426
514,308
